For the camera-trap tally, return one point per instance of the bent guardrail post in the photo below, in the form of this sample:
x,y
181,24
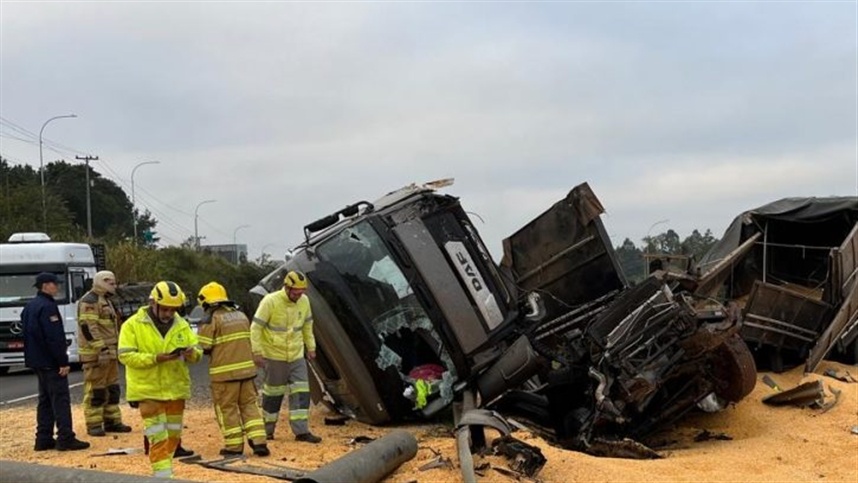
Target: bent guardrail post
x,y
368,464
21,472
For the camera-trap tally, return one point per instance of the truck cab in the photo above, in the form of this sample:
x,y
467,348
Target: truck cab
x,y
26,255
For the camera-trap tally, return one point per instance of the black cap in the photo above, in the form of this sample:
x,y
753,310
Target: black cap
x,y
45,277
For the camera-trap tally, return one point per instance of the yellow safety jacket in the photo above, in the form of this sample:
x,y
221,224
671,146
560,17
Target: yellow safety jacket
x,y
226,333
139,345
281,328
98,327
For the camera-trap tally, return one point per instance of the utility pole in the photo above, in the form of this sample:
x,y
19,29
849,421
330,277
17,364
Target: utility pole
x,y
88,158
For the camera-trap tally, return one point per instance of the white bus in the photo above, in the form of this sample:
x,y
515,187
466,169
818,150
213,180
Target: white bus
x,y
21,260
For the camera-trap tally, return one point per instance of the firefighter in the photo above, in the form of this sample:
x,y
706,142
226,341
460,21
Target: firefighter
x,y
224,334
282,327
154,345
98,330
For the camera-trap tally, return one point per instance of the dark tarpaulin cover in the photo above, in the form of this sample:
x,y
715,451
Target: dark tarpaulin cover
x,y
794,210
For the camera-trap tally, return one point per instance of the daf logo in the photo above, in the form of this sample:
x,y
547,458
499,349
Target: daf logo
x,y
17,328
469,271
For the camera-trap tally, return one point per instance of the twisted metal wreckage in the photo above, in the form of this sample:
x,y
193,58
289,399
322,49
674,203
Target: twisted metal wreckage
x,y
413,316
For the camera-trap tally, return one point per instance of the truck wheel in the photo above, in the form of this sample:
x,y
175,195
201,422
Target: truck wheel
x,y
4,370
734,370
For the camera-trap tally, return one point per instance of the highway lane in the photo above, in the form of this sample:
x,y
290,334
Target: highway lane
x,y
20,386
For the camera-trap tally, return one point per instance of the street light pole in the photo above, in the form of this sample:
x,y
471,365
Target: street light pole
x,y
235,243
42,169
196,218
133,199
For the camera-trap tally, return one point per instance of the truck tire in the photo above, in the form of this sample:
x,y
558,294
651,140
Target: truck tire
x,y
735,371
4,370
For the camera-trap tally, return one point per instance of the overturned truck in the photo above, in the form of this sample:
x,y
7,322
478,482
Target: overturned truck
x,y
411,314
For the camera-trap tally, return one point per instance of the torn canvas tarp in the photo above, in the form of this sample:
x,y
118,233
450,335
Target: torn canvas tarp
x,y
791,264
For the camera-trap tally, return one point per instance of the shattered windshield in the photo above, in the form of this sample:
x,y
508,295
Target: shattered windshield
x,y
16,289
370,272
410,343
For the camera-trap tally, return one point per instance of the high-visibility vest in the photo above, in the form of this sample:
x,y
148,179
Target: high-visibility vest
x,y
139,345
281,328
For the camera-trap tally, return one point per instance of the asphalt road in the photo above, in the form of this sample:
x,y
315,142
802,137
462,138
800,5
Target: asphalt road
x,y
20,386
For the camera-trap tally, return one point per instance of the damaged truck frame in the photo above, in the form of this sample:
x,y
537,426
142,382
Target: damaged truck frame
x,y
411,314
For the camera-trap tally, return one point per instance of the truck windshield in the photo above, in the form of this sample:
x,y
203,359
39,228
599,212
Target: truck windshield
x,y
16,289
409,342
362,259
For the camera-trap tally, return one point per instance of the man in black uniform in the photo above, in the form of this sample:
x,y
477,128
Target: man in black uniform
x,y
45,353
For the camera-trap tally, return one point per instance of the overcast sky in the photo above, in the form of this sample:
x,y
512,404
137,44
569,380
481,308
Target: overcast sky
x,y
285,112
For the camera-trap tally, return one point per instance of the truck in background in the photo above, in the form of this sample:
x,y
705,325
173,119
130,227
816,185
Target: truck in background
x,y
21,259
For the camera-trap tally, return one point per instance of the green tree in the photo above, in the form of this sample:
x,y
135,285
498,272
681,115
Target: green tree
x,y
21,205
631,260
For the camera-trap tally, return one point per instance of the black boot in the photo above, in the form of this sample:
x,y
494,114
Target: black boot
x,y
45,445
117,427
72,445
308,438
182,452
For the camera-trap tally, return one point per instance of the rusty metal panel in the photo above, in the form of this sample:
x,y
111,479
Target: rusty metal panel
x,y
783,319
843,262
566,252
844,319
715,276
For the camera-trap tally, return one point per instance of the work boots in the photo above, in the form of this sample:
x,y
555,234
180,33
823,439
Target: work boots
x,y
182,452
117,427
308,438
44,445
95,431
72,445
259,449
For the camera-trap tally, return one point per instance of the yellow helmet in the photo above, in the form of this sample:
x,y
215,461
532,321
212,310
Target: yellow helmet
x,y
295,279
168,294
212,293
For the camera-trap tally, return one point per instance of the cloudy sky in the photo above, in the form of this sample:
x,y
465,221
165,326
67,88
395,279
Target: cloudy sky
x,y
285,112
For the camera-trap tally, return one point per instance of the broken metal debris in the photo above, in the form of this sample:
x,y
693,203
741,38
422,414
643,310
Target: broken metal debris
x,y
771,383
845,377
706,435
807,394
827,406
361,440
238,464
437,462
513,474
119,451
854,430
523,458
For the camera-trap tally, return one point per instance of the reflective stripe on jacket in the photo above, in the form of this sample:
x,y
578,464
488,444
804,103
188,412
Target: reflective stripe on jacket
x,y
227,335
139,345
98,327
281,328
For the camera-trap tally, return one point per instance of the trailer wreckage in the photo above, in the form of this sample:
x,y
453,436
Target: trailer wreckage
x,y
412,315
791,265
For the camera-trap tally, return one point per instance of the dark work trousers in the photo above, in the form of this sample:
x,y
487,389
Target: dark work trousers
x,y
54,407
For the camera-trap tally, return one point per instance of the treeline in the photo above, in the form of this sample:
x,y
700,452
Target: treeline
x,y
690,250
189,268
65,201
112,225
